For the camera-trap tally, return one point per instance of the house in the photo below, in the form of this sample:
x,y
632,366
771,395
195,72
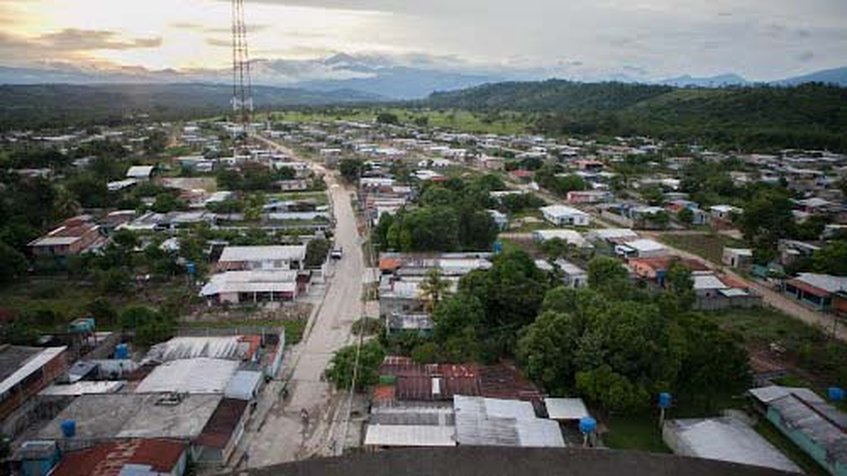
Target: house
x,y
140,172
721,292
699,216
25,371
656,268
492,163
148,457
724,439
75,236
815,290
612,236
234,258
572,275
641,248
790,251
496,422
738,258
561,215
724,212
589,196
418,323
815,426
253,286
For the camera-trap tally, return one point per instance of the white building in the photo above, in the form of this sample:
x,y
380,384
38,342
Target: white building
x,y
561,215
262,257
140,172
644,248
570,236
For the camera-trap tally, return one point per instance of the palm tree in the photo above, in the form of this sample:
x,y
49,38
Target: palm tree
x,y
433,288
65,204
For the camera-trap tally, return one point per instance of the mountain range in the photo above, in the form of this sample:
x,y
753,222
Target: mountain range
x,y
374,75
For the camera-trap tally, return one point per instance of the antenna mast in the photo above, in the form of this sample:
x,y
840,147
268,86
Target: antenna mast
x,y
242,86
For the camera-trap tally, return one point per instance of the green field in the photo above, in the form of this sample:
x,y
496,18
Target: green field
x,y
294,328
639,433
502,123
708,246
320,197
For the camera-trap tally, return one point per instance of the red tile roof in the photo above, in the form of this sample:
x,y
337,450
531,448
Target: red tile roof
x,y
107,459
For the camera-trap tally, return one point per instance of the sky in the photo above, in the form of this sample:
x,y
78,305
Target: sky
x,y
648,39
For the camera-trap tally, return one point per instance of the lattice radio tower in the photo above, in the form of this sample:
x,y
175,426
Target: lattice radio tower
x,y
242,86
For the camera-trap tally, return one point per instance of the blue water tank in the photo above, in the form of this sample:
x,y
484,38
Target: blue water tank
x,y
191,268
836,394
122,351
587,425
664,400
498,247
69,428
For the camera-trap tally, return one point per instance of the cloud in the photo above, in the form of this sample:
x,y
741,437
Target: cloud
x,y
73,39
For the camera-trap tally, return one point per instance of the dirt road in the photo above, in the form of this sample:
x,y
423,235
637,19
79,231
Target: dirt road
x,y
283,436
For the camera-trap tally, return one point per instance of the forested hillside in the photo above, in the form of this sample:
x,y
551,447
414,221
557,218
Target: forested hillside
x,y
761,117
63,104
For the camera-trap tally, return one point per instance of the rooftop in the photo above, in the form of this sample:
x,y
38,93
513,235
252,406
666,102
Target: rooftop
x,y
110,459
263,253
565,408
501,461
229,347
198,375
493,422
726,439
132,415
23,362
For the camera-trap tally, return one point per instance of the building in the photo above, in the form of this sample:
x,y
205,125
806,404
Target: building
x,y
739,258
190,376
141,457
724,212
612,236
262,258
140,172
410,425
572,275
562,215
642,248
566,410
418,323
589,196
494,422
76,235
815,426
815,290
25,371
724,439
222,433
237,287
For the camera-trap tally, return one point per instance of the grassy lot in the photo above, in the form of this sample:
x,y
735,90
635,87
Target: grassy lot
x,y
816,357
294,328
639,433
708,245
68,299
320,197
789,449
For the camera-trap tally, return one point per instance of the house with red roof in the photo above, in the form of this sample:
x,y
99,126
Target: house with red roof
x,y
148,457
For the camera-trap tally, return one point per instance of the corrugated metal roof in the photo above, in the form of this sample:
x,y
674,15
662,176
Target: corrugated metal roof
x,y
201,375
410,435
227,347
29,367
815,424
222,424
244,384
493,422
773,392
263,253
726,439
565,408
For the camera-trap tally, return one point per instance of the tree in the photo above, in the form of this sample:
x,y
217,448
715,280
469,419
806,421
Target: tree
x,y
767,217
433,288
133,317
387,118
65,204
680,295
607,273
343,363
155,142
546,351
12,264
316,252
351,169
166,203
102,310
831,258
685,216
89,191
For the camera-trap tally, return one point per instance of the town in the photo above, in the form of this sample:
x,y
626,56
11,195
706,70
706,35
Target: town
x,y
179,299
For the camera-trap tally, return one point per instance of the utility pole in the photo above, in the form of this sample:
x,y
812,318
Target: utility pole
x,y
242,85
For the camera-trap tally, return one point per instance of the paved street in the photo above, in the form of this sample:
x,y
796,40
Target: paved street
x,y
282,436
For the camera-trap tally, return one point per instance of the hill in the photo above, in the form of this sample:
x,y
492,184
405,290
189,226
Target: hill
x,y
65,104
755,117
